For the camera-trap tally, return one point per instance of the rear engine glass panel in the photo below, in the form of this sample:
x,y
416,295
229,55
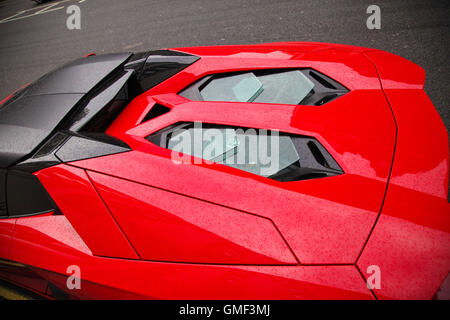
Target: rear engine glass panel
x,y
287,86
272,154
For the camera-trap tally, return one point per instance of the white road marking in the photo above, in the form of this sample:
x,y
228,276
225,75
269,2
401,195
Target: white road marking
x,y
47,8
20,12
41,10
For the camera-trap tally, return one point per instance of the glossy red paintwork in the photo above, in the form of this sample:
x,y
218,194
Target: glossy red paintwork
x,y
86,211
140,226
6,233
190,230
121,278
334,215
414,225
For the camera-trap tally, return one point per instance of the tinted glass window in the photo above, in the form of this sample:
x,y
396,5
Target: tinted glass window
x,y
249,150
244,87
289,87
286,86
271,154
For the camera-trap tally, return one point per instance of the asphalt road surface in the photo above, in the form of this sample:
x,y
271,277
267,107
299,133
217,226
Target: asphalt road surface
x,y
34,38
31,44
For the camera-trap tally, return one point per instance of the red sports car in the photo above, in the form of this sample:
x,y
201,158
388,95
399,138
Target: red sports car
x,y
271,171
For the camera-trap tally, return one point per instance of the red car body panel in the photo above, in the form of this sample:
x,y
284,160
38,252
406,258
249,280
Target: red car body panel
x,y
96,225
6,233
190,230
121,278
140,226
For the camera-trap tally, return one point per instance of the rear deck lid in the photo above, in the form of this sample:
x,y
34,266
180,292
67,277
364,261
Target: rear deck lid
x,y
32,114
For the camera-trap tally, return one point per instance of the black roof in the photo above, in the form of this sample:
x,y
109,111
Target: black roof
x,y
30,116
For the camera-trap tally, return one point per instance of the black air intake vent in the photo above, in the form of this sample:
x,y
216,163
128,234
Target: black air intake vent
x,y
3,208
156,111
317,154
326,99
325,89
322,80
161,65
27,196
3,211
